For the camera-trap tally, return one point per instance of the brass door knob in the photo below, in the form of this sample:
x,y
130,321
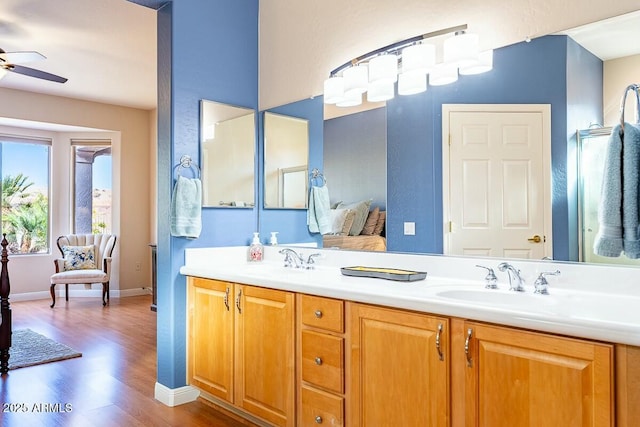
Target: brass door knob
x,y
535,239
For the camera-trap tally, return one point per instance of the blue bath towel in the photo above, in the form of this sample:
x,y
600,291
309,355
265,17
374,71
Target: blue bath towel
x,y
319,212
186,208
618,212
630,187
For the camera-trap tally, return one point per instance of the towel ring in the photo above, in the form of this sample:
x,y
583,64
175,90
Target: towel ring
x,y
187,163
315,175
634,87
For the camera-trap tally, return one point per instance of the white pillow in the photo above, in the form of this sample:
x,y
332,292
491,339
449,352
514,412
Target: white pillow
x,y
338,217
79,257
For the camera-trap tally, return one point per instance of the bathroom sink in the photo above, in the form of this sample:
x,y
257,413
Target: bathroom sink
x,y
490,297
272,270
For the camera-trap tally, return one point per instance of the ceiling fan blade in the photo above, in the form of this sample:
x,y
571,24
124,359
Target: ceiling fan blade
x,y
31,72
21,57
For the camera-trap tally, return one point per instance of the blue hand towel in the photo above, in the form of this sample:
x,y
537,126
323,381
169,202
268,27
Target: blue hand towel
x,y
618,212
186,208
319,211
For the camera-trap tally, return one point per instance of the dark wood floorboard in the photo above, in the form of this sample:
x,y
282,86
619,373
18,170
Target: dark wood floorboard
x,y
112,384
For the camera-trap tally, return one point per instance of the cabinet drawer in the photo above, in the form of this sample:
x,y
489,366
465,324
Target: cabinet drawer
x,y
323,313
321,408
322,360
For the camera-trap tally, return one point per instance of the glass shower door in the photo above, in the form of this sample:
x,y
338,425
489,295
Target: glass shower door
x,y
592,148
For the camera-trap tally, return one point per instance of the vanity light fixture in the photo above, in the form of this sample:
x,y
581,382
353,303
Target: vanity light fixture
x,y
408,63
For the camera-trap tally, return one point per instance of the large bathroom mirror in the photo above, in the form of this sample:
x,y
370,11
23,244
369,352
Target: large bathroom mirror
x,y
286,159
228,140
414,125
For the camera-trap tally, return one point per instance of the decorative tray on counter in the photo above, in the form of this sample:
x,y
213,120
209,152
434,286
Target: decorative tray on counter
x,y
384,273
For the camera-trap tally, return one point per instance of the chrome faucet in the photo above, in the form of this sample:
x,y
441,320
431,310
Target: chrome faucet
x,y
291,258
541,283
311,261
297,260
516,281
490,280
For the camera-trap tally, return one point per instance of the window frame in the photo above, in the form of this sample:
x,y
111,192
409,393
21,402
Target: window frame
x,y
33,140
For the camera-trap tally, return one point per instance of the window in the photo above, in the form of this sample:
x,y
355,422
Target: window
x,y
92,186
25,194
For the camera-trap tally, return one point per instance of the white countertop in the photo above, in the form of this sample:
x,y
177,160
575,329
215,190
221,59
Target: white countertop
x,y
585,301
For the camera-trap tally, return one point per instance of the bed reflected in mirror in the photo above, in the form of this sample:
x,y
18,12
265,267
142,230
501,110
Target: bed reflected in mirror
x,y
355,165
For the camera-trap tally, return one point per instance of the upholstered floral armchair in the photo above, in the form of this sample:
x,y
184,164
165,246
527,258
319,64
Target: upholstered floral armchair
x,y
86,259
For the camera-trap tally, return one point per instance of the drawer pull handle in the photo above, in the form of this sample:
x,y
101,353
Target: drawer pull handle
x,y
466,347
318,419
318,314
318,361
226,299
238,301
438,348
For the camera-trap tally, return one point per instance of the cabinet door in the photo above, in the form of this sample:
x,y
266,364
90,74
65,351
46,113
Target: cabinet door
x,y
210,323
397,375
519,378
265,354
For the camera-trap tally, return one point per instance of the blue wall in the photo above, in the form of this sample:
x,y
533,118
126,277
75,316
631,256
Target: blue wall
x,y
584,108
207,49
291,224
525,73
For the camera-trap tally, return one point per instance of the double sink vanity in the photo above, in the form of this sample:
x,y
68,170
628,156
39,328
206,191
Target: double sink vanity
x,y
301,347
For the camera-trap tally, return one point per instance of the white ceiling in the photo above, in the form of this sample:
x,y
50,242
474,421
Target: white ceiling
x,y
107,48
610,38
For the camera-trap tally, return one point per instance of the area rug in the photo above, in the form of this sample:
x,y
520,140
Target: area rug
x,y
29,348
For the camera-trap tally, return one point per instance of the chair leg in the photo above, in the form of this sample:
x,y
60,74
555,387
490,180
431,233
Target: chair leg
x,y
53,295
66,291
105,293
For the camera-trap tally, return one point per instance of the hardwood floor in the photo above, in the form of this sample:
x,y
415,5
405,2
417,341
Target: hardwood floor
x,y
112,384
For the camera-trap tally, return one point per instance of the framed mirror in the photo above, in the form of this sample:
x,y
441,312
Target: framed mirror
x,y
286,158
228,141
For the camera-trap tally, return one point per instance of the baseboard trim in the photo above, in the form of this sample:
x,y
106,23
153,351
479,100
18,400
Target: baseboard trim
x,y
80,293
175,396
243,417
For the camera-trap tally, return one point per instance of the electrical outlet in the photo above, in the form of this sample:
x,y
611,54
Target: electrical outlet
x,y
409,228
138,266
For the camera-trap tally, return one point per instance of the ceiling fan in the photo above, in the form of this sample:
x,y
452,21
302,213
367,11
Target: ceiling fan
x,y
9,61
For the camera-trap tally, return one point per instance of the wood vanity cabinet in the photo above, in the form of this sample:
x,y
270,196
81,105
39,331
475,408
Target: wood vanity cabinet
x,y
321,361
296,359
241,347
510,377
399,368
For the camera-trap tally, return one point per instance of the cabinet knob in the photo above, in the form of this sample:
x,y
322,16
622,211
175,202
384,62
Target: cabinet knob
x,y
318,419
318,361
318,314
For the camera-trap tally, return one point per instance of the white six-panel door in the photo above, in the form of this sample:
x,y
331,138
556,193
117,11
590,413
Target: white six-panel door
x,y
496,180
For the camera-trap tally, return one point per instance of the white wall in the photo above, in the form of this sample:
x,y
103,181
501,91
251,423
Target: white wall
x,y
130,131
301,41
618,74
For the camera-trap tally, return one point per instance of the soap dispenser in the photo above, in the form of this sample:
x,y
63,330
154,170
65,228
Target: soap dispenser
x,y
256,250
273,241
